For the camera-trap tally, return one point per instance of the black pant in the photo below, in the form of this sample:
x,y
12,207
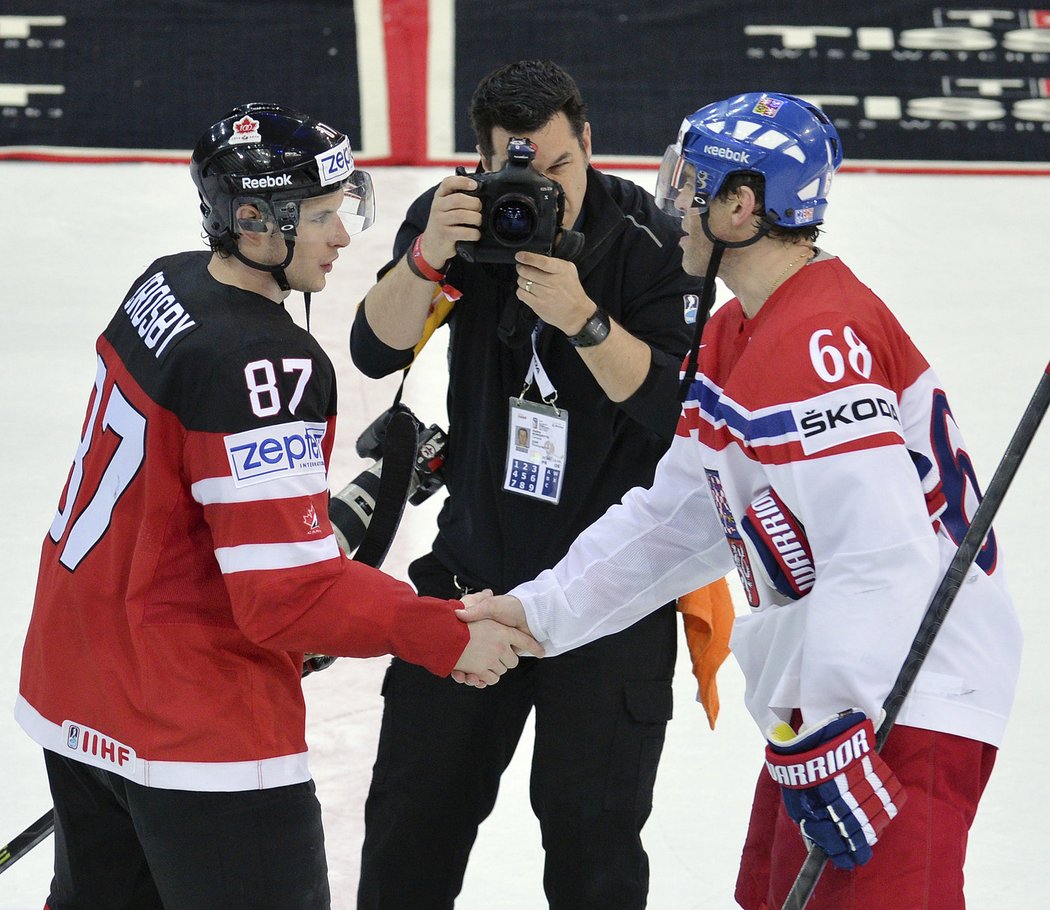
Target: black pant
x,y
601,714
121,846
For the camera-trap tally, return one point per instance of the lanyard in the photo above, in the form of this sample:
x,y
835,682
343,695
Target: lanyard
x,y
547,391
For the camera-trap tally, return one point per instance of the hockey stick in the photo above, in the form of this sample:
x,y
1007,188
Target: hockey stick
x,y
808,876
21,844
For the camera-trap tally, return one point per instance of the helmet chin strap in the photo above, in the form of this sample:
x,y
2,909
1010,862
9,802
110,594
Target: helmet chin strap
x,y
707,300
768,223
277,271
707,297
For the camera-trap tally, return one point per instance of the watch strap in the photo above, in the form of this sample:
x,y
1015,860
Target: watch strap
x,y
595,330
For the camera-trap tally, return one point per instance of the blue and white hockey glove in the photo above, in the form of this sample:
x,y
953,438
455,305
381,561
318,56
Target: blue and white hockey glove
x,y
835,785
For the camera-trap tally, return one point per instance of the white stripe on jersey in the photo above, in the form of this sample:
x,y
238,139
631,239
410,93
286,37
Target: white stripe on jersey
x,y
213,490
212,776
250,557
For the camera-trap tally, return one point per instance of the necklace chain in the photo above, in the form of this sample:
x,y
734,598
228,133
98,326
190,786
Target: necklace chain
x,y
807,253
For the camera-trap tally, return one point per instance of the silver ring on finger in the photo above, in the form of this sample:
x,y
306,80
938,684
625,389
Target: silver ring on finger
x,y
528,286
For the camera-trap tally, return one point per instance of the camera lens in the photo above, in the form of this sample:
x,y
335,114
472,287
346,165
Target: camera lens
x,y
514,219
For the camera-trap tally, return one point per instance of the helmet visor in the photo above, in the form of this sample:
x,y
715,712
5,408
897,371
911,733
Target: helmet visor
x,y
358,208
676,189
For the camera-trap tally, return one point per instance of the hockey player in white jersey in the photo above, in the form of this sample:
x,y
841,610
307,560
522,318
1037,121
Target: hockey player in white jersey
x,y
817,441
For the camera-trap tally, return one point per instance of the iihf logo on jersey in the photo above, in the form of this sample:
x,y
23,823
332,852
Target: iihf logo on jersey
x,y
97,748
690,306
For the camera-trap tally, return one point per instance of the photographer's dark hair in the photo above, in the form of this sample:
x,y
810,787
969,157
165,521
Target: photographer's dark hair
x,y
757,183
522,97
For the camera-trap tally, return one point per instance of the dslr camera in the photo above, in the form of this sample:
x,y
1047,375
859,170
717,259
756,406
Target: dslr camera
x,y
352,508
520,210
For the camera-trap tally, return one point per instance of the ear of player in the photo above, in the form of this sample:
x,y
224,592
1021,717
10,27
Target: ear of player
x,y
835,785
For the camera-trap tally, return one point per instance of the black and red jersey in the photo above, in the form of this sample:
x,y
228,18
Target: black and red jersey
x,y
191,562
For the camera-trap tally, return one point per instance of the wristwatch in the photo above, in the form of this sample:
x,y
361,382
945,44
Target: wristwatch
x,y
595,330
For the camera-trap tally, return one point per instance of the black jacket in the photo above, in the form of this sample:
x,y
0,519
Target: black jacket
x,y
631,265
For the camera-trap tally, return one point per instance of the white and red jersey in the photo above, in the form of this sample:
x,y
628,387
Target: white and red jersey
x,y
191,561
818,442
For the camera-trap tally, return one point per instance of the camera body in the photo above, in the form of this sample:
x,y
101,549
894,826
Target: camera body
x,y
429,458
352,508
520,209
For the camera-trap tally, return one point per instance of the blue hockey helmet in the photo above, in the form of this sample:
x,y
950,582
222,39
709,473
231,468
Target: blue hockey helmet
x,y
788,141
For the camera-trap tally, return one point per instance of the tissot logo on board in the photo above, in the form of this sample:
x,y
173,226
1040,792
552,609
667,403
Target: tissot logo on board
x,y
981,70
26,96
1022,31
30,99
28,28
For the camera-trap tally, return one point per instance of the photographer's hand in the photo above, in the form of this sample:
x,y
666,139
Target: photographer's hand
x,y
454,215
552,289
398,306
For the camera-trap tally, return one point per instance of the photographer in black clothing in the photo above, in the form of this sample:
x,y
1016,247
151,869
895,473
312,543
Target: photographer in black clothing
x,y
597,343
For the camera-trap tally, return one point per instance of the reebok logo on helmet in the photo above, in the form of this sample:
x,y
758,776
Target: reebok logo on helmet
x,y
718,151
265,183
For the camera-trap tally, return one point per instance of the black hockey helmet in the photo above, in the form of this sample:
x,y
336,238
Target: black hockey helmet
x,y
272,157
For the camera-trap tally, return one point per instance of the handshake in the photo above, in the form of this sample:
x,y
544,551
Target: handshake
x,y
499,633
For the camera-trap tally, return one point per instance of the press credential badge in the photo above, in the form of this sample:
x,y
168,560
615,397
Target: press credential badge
x,y
536,447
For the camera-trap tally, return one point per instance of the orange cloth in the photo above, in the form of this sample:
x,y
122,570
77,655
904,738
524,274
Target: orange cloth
x,y
707,614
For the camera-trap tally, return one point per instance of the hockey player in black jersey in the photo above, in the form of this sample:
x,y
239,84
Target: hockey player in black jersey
x,y
191,562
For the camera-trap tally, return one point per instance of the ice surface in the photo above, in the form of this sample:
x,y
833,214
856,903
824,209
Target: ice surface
x,y
961,261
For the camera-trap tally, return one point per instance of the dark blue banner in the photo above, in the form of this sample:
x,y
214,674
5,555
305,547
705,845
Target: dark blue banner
x,y
902,80
146,75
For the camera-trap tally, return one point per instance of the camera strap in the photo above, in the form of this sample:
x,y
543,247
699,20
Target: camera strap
x,y
395,479
400,442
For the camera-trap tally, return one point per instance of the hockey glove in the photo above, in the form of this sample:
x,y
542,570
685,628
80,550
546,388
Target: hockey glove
x,y
314,662
835,785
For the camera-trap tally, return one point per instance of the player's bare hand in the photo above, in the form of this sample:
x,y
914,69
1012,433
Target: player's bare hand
x,y
551,288
503,608
454,215
492,650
